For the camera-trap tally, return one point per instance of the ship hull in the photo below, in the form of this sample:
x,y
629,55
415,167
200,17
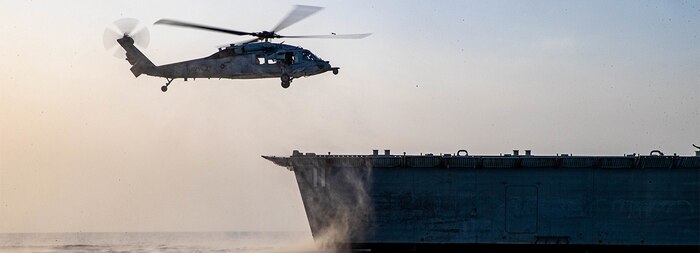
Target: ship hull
x,y
484,247
429,203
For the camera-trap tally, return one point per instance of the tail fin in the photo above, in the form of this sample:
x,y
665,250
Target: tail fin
x,y
139,62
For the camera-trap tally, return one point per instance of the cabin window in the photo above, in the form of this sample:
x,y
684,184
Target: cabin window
x,y
263,60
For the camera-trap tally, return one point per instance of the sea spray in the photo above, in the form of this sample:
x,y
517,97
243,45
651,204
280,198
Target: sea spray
x,y
336,198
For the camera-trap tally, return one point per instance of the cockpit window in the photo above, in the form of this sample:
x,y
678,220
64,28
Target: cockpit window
x,y
308,56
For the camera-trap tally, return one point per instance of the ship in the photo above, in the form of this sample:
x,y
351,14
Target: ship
x,y
457,202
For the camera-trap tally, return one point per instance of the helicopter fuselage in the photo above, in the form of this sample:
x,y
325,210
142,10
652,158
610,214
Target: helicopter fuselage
x,y
248,61
252,59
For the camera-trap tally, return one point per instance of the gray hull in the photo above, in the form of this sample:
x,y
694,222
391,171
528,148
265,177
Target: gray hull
x,y
423,202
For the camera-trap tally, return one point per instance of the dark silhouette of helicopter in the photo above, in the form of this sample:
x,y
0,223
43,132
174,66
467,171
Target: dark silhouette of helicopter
x,y
252,59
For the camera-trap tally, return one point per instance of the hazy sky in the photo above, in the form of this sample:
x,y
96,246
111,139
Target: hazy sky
x,y
85,146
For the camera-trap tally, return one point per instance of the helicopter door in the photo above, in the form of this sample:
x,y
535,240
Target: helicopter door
x,y
289,58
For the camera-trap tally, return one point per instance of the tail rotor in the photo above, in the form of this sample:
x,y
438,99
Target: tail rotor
x,y
125,27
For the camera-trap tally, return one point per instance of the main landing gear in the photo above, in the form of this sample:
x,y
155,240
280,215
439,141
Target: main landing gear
x,y
164,88
286,80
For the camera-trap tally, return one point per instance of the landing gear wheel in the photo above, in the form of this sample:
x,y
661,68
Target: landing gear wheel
x,y
335,71
164,88
286,80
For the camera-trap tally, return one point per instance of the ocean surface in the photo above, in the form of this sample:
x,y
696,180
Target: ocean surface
x,y
259,242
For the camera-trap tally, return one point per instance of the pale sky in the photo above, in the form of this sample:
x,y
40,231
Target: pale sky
x,y
85,146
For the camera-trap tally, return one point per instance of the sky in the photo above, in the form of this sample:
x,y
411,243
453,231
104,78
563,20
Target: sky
x,y
85,146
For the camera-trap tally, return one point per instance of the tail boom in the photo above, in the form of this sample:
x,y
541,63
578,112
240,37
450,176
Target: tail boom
x,y
140,64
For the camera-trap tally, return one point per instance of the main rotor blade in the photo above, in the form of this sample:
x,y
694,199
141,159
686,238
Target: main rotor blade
x,y
332,36
247,41
196,26
297,14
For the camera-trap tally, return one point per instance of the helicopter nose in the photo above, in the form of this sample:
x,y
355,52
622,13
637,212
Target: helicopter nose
x,y
323,65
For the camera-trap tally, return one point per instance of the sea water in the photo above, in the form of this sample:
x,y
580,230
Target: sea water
x,y
262,242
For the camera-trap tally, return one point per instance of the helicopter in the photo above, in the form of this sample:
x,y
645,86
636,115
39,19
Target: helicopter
x,y
252,59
